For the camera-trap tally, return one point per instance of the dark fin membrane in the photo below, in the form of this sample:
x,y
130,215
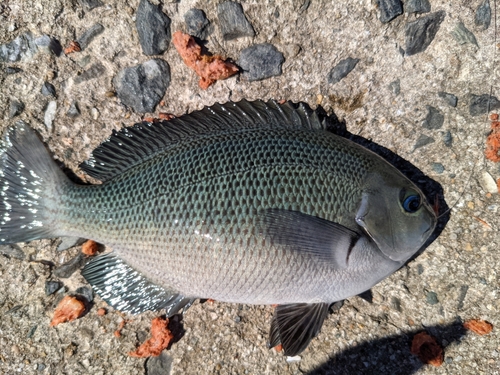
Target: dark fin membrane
x,y
326,240
127,290
367,296
30,185
133,145
295,325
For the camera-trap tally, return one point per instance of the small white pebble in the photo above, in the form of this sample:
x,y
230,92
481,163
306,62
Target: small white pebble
x,y
295,359
488,183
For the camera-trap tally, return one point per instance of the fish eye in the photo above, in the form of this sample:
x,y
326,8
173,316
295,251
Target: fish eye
x,y
410,201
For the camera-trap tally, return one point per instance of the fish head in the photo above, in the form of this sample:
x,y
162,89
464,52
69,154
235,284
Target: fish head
x,y
395,214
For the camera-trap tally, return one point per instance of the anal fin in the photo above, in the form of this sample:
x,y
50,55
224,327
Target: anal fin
x,y
127,290
295,325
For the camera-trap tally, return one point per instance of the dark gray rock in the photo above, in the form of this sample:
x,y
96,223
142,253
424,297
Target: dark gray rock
x,y
86,293
483,15
420,269
52,286
447,138
141,87
160,365
45,43
342,69
461,296
12,70
421,32
69,242
89,35
96,70
434,118
396,304
450,99
12,251
417,6
21,48
48,89
16,108
438,167
73,111
389,9
395,86
481,104
431,298
422,141
68,268
233,22
463,35
153,27
196,23
90,4
335,307
304,6
260,61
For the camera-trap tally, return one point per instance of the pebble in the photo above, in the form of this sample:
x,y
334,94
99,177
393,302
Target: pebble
x,y
417,6
336,306
21,48
142,87
96,70
461,296
16,108
438,168
160,365
85,292
12,251
395,86
68,268
481,104
483,15
420,269
94,112
488,183
48,89
232,21
50,115
153,27
12,70
52,286
431,298
450,99
434,118
73,111
90,4
89,35
463,35
422,141
84,61
389,9
47,44
197,23
342,69
293,359
420,33
260,61
396,304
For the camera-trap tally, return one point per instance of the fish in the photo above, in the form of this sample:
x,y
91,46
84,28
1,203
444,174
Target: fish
x,y
246,202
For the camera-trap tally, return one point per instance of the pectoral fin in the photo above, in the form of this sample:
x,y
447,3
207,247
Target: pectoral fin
x,y
325,239
295,325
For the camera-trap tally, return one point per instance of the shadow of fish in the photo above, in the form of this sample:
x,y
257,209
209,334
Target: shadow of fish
x,y
247,202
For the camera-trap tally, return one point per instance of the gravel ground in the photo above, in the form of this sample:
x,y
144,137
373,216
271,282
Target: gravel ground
x,y
385,99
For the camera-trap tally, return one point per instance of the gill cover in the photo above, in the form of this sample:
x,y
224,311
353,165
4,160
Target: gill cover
x,y
395,214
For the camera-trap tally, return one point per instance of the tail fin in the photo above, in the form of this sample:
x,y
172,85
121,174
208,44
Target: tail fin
x,y
30,183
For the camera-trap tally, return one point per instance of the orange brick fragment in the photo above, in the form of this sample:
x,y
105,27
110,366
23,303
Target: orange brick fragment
x,y
165,116
481,327
90,248
210,68
493,140
161,338
278,348
101,312
118,332
70,308
73,46
426,348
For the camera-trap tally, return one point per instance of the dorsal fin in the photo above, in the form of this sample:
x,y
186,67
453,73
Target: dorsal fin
x,y
133,145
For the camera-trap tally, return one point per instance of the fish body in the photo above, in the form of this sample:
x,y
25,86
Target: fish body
x,y
245,202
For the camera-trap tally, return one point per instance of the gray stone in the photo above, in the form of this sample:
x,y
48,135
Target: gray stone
x,y
461,296
141,87
447,138
52,286
233,22
89,35
450,99
422,141
196,23
304,6
68,268
420,33
16,108
48,89
96,70
438,168
50,115
260,61
12,70
434,118
396,304
90,4
86,293
69,242
395,86
342,69
73,110
389,9
463,35
12,251
431,298
21,48
153,27
481,104
483,15
160,365
45,43
417,6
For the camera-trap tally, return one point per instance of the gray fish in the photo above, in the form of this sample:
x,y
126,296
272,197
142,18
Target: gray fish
x,y
247,202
